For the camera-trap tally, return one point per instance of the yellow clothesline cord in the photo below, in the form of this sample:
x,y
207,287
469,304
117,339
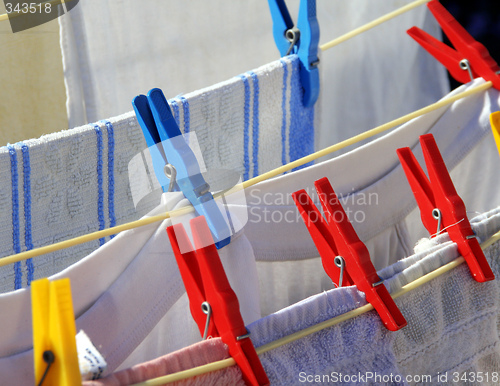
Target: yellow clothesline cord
x,y
219,365
114,230
372,24
323,47
6,16
366,134
246,184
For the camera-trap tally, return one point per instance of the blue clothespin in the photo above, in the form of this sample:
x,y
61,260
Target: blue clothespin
x,y
159,127
302,40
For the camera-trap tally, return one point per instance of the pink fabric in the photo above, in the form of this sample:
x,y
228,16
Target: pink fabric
x,y
198,354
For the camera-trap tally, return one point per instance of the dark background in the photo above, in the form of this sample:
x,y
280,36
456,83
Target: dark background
x,y
481,18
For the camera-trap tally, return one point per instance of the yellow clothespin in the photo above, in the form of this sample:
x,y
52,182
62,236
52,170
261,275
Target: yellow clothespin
x,y
54,331
495,127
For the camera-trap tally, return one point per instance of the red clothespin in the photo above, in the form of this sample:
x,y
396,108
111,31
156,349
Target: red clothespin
x,y
340,247
213,303
441,208
469,60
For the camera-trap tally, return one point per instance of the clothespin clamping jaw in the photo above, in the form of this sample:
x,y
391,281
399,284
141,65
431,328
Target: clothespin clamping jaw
x,y
164,139
495,127
301,39
441,208
54,331
212,301
345,258
469,60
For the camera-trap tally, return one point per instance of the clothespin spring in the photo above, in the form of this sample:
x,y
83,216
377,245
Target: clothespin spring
x,y
241,337
171,174
340,262
436,213
293,36
49,358
465,65
207,310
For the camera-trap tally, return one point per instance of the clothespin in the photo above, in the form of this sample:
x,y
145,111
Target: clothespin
x,y
441,208
495,127
54,331
469,60
212,301
164,139
301,39
340,247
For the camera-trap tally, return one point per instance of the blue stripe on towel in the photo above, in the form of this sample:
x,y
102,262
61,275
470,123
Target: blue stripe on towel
x,y
175,107
301,136
111,174
28,237
100,190
185,110
246,128
18,274
255,126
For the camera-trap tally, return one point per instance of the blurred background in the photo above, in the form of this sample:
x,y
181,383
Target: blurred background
x,y
481,18
33,96
32,93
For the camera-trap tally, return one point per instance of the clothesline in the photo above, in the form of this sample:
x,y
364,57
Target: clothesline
x,y
372,24
246,184
222,364
298,335
323,47
142,222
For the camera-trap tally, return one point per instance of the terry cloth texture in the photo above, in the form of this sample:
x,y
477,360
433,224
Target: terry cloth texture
x,y
375,193
74,182
128,297
199,354
114,51
137,289
452,327
451,332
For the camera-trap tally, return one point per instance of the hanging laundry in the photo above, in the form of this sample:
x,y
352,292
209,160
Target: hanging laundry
x,y
74,182
199,354
146,47
451,327
288,267
451,333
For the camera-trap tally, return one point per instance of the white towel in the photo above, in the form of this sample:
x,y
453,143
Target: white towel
x,y
77,181
451,333
135,286
114,51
